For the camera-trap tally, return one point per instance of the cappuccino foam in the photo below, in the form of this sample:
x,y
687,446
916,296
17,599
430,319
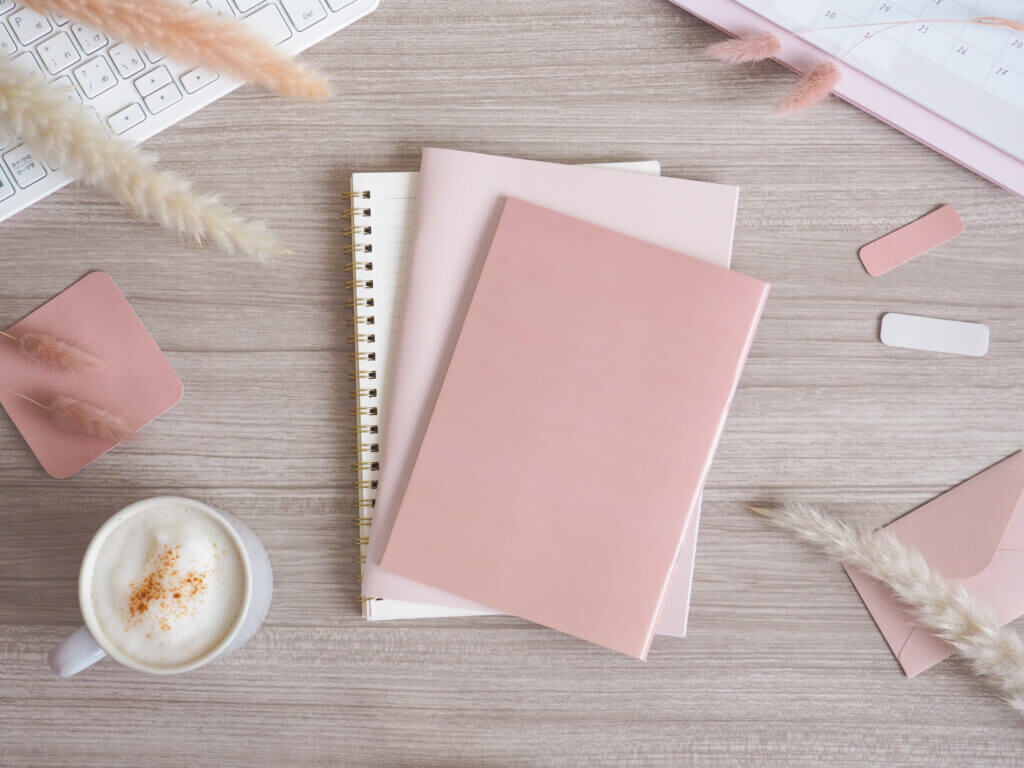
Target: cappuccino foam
x,y
167,584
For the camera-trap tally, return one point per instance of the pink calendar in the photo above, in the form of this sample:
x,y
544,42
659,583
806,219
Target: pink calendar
x,y
959,88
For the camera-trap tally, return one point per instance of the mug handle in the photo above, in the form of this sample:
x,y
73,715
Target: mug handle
x,y
76,653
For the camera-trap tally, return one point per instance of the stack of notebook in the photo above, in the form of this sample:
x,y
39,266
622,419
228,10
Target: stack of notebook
x,y
545,355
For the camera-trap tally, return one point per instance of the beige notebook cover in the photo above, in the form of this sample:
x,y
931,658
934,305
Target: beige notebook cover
x,y
582,427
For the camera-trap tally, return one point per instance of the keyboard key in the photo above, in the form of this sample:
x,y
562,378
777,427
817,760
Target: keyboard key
x,y
95,77
216,7
337,5
127,59
153,56
28,62
152,81
5,6
163,98
66,86
247,5
7,46
6,188
58,53
268,22
59,19
24,166
304,13
128,117
200,77
29,25
90,39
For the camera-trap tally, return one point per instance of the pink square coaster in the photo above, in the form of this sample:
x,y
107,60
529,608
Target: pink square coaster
x,y
137,381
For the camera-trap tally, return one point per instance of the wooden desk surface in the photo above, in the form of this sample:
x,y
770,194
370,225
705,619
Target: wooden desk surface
x,y
783,665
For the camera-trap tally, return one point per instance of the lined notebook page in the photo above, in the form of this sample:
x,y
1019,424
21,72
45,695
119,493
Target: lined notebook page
x,y
383,210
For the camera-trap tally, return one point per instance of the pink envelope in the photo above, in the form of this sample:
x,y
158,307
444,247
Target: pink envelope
x,y
972,535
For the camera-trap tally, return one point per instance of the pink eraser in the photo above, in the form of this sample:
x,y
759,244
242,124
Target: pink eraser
x,y
912,240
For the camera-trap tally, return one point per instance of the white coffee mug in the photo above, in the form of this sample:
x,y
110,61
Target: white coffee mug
x,y
89,644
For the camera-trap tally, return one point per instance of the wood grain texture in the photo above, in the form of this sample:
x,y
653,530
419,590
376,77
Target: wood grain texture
x,y
783,665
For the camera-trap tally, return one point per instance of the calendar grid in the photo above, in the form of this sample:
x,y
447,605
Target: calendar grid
x,y
980,68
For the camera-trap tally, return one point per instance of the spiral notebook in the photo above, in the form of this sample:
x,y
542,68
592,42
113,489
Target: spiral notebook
x,y
382,216
460,196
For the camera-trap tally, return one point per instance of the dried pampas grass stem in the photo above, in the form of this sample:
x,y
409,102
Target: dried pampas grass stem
x,y
756,46
53,352
193,36
75,415
816,84
812,88
66,134
996,654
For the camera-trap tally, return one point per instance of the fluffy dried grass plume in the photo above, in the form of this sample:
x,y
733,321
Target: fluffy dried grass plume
x,y
67,135
79,416
57,353
756,46
995,653
193,36
812,88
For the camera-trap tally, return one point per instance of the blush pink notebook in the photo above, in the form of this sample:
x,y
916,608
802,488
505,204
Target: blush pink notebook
x,y
136,381
574,428
459,202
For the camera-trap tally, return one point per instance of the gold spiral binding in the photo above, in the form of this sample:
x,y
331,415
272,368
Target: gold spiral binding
x,y
363,361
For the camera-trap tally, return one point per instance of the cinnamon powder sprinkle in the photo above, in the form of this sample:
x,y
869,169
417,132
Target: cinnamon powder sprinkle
x,y
165,591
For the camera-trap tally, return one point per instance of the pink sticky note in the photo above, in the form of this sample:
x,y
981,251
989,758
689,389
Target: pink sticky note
x,y
136,381
909,241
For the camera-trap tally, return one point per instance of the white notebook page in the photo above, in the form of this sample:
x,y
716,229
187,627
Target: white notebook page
x,y
392,207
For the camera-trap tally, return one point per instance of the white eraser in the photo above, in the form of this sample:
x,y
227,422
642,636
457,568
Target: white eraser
x,y
931,334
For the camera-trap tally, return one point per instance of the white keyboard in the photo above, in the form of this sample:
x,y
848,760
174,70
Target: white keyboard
x,y
135,93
